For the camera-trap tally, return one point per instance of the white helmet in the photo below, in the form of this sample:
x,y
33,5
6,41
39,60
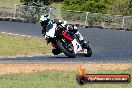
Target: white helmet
x,y
44,18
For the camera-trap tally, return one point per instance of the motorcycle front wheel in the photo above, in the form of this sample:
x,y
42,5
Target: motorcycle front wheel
x,y
64,50
89,52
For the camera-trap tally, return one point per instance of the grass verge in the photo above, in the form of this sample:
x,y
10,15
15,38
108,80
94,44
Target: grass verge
x,y
18,45
9,4
10,1
55,79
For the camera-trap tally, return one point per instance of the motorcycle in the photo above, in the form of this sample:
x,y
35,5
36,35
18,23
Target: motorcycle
x,y
65,41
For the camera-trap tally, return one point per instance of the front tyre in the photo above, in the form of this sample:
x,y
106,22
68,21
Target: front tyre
x,y
89,52
64,50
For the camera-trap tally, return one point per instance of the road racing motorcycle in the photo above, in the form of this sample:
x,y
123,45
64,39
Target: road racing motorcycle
x,y
65,41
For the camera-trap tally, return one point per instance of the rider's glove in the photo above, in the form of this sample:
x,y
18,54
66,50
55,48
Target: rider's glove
x,y
43,31
72,28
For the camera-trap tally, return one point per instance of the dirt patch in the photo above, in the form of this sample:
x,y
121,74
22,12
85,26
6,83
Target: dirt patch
x,y
29,68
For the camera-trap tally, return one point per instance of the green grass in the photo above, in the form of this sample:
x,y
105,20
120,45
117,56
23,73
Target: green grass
x,y
17,45
10,1
54,79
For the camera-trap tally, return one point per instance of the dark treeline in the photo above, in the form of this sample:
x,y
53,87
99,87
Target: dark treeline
x,y
120,7
42,2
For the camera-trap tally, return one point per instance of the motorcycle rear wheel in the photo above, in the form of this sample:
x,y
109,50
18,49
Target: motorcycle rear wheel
x,y
64,50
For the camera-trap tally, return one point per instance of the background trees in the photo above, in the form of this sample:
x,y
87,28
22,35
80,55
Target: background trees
x,y
120,7
42,2
123,7
95,6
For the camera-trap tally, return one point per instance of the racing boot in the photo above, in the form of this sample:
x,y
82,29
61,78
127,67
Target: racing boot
x,y
56,51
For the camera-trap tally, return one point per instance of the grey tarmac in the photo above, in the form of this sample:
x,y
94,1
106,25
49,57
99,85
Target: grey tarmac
x,y
108,45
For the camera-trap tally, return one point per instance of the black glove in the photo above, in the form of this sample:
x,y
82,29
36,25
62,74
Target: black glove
x,y
71,28
43,31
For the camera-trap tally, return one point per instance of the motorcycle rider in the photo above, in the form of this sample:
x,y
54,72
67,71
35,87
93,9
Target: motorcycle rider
x,y
45,21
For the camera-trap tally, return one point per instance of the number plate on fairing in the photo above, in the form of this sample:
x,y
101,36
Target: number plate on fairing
x,y
78,48
82,51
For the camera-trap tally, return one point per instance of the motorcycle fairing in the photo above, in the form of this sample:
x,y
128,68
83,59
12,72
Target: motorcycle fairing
x,y
66,36
78,48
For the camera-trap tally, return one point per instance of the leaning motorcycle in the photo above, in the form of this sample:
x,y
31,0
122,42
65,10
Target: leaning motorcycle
x,y
65,41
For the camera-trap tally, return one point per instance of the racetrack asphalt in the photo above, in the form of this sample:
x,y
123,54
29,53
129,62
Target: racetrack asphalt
x,y
107,45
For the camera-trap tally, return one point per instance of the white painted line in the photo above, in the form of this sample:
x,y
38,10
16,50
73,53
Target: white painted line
x,y
17,56
16,34
21,35
3,32
29,36
10,33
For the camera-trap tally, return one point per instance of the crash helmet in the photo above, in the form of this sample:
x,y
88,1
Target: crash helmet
x,y
45,20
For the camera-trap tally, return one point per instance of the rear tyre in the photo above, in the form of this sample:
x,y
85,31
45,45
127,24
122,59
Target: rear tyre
x,y
64,50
